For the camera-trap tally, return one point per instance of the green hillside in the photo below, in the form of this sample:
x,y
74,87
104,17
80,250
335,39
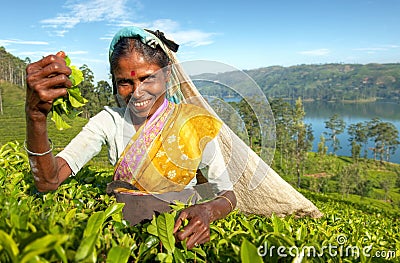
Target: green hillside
x,y
327,82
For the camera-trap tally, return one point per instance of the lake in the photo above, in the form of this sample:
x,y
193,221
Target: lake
x,y
319,112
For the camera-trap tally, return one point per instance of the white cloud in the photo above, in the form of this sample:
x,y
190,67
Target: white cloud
x,y
316,52
193,38
86,12
116,13
6,42
173,31
369,49
379,48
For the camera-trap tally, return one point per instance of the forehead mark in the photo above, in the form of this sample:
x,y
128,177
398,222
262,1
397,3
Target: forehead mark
x,y
133,73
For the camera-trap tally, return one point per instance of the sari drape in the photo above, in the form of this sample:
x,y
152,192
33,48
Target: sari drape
x,y
163,156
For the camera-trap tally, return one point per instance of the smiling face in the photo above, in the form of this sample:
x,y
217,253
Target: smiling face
x,y
142,85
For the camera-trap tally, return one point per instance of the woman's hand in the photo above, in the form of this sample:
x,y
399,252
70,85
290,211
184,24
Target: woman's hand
x,y
47,79
197,231
200,216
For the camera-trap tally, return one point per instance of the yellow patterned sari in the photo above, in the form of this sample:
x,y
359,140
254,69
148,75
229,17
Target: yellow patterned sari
x,y
163,156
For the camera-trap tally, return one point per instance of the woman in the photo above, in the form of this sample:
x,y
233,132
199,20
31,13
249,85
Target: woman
x,y
166,144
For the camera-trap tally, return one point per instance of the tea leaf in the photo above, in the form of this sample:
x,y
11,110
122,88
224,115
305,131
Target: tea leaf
x,y
58,120
67,105
150,242
113,209
94,224
86,247
118,255
9,245
165,228
179,257
248,253
152,227
41,246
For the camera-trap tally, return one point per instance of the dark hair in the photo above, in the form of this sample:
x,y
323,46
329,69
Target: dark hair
x,y
127,45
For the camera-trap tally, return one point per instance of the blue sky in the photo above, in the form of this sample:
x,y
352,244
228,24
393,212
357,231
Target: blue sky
x,y
243,34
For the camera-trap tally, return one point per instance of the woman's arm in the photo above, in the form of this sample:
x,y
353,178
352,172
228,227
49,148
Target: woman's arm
x,y
47,79
200,216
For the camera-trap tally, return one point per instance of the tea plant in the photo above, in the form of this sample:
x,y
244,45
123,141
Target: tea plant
x,y
79,222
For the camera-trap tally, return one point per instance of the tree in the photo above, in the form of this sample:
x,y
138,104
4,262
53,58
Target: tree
x,y
322,148
385,137
250,120
294,137
386,185
103,92
336,125
355,150
348,177
358,133
303,137
364,187
283,120
87,90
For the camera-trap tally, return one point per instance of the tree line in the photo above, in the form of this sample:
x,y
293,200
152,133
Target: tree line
x,y
384,136
12,69
325,82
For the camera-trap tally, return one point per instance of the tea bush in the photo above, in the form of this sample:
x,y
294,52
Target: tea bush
x,y
79,222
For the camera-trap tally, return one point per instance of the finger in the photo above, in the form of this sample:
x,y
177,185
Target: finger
x,y
44,62
182,217
56,68
50,95
177,225
49,89
201,240
62,81
197,238
194,226
46,83
51,76
205,239
61,54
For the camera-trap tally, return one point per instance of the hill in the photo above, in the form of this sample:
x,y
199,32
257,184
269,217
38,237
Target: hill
x,y
327,82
